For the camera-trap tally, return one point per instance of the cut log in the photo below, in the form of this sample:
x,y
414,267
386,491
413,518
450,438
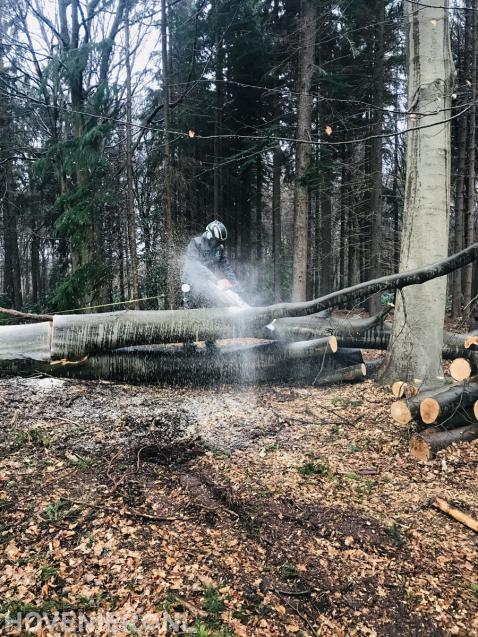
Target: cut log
x,y
424,445
460,369
25,342
268,362
378,337
455,513
401,389
458,418
77,335
404,411
352,374
444,404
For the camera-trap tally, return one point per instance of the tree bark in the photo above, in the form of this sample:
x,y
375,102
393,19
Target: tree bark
x,y
440,406
167,168
416,343
354,373
325,261
303,151
471,185
376,154
459,226
425,445
219,107
12,285
309,327
276,223
131,216
26,342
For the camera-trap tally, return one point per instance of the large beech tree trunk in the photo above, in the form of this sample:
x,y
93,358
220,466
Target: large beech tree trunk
x,y
266,362
416,344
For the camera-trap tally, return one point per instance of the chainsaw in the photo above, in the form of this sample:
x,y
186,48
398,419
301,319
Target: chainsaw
x,y
216,290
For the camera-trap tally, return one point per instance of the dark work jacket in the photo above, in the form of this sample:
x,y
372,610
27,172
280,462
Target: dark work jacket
x,y
199,250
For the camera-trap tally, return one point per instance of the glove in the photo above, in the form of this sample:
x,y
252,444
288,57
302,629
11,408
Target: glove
x,y
224,284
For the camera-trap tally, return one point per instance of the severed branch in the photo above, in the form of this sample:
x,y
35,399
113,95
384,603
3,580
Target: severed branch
x,y
458,515
26,315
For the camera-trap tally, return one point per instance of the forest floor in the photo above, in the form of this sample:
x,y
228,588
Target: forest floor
x,y
248,511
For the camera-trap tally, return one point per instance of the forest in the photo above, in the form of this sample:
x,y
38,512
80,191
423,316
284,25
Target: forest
x,y
238,318
123,134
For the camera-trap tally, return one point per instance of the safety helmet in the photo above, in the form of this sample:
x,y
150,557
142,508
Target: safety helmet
x,y
216,230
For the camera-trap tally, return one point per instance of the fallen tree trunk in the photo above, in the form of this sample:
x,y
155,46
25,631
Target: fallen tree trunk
x,y
444,404
270,362
23,342
77,335
378,337
266,362
352,374
309,327
424,445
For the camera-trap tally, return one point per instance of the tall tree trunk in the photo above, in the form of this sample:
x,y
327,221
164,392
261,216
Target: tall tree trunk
x,y
219,73
35,250
395,203
417,337
276,223
376,154
167,173
471,177
12,286
303,150
131,217
459,226
259,230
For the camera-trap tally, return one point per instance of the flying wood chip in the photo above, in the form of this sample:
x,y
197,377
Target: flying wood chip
x,y
328,130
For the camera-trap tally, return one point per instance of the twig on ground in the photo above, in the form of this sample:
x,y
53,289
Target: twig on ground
x,y
458,515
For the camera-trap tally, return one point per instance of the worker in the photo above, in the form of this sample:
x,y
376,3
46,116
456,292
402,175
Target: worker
x,y
207,269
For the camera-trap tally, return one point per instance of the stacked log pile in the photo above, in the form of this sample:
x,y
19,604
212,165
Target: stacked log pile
x,y
444,414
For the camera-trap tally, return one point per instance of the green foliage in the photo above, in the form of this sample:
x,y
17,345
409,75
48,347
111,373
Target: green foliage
x,y
48,572
203,630
36,437
70,292
363,487
312,468
212,600
395,533
56,511
288,572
